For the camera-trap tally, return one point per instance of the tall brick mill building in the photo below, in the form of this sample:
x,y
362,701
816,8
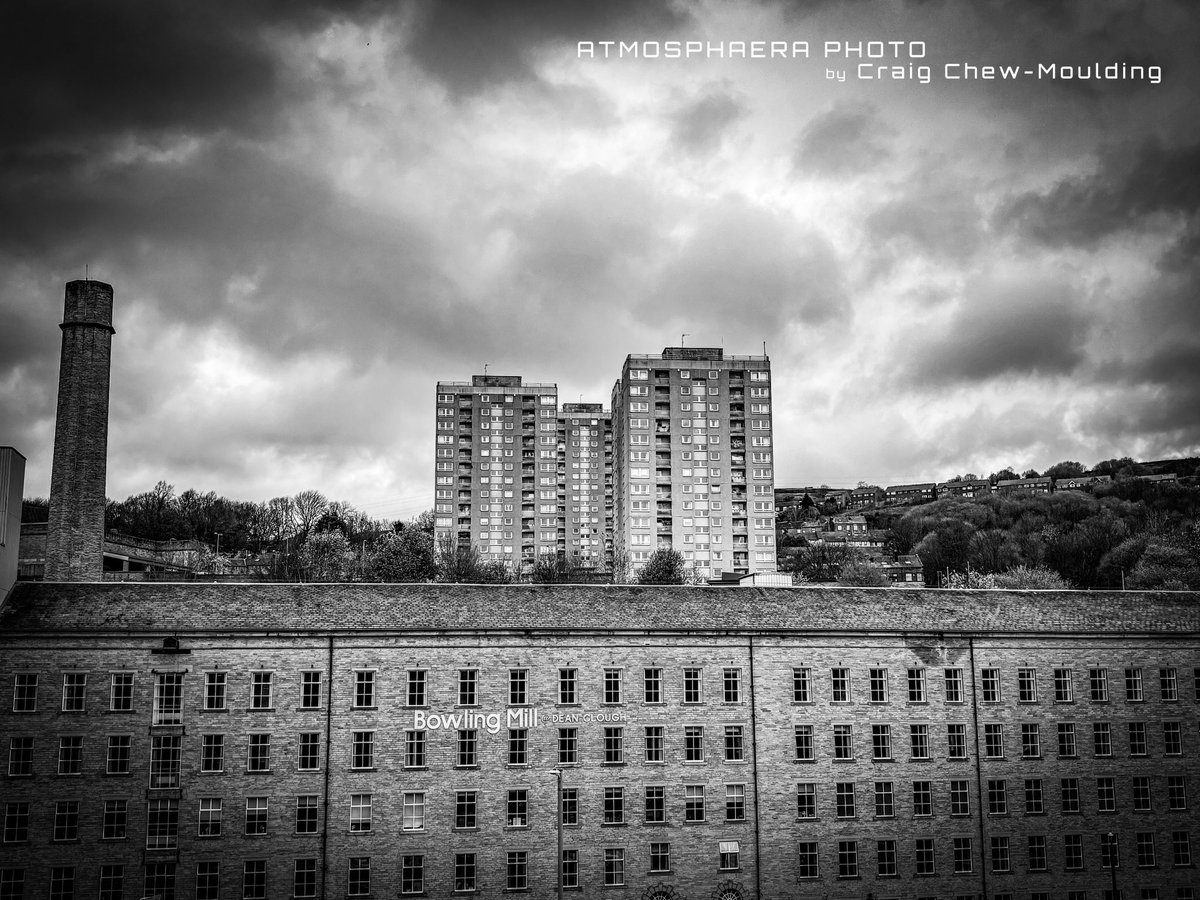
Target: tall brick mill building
x,y
334,741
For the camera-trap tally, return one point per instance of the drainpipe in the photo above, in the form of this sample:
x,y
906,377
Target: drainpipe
x,y
754,773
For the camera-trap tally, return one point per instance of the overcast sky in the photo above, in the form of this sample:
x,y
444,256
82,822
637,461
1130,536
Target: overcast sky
x,y
311,212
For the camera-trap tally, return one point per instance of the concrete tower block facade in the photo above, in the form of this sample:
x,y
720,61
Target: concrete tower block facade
x,y
75,537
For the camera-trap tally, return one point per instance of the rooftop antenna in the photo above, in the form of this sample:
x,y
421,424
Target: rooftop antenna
x,y
681,337
85,272
485,365
764,348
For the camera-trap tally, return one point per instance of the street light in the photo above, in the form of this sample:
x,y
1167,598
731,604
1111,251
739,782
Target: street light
x,y
558,773
1112,863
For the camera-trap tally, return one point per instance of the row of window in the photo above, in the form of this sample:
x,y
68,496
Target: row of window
x,y
846,856
416,691
159,879
163,825
1029,796
1168,737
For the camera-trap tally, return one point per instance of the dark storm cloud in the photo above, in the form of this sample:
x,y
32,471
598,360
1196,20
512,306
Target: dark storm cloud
x,y
846,140
747,272
74,71
1126,188
936,214
470,45
700,126
1005,326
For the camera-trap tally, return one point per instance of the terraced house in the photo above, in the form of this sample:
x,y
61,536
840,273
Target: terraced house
x,y
335,741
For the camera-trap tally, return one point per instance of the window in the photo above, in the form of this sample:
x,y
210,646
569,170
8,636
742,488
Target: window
x,y
960,798
414,749
360,812
843,741
806,800
735,803
1031,743
734,744
1000,858
62,883
612,685
70,755
923,856
517,870
801,685
730,855
879,685
1133,685
1034,802
1072,851
919,741
1066,740
652,686
168,699
465,872
693,743
1137,738
1106,795
1036,846
1064,691
1144,840
117,762
654,743
310,690
112,882
804,743
74,692
20,756
1176,792
993,740
1069,794
956,740
304,878
16,823
990,685
1168,684
1102,738
656,804
885,803
162,824
885,858
839,685
306,814
256,815
364,689
116,816
922,794
881,741
159,880
25,692
1110,853
414,811
693,803
1141,793
997,789
258,753
518,687
1172,738
692,686
415,688
468,687
518,808
614,745
614,866
212,753
954,685
1181,848
210,817
963,856
660,857
916,686
254,879
614,806
1098,685
464,809
844,794
214,690
806,860
847,859
120,692
1027,686
262,685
